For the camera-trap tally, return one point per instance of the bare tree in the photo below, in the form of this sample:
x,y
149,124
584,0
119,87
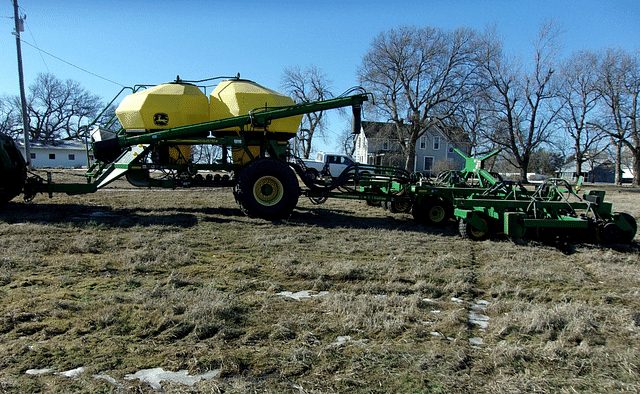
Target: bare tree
x,y
619,85
347,142
419,77
473,116
521,100
59,110
578,100
9,117
306,86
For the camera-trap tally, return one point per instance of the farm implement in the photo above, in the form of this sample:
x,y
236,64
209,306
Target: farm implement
x,y
164,126
483,203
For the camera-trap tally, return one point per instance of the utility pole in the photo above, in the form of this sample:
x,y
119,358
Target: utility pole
x,y
23,100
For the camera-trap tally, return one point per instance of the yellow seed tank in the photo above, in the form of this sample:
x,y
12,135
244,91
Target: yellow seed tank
x,y
163,107
236,97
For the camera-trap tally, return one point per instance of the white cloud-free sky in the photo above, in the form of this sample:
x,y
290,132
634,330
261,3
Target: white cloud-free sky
x,y
151,42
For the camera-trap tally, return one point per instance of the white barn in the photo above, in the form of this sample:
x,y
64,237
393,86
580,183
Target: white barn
x,y
66,154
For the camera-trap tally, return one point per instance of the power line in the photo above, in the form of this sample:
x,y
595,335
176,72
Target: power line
x,y
71,64
35,42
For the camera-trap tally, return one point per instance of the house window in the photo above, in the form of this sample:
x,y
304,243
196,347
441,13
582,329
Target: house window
x,y
72,156
450,148
385,145
423,142
33,155
428,164
52,156
436,143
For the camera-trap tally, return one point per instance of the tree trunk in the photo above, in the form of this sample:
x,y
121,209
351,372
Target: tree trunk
x,y
618,173
410,163
578,169
636,168
523,175
524,167
579,160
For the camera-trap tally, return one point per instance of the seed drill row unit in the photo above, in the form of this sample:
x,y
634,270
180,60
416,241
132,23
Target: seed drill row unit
x,y
252,125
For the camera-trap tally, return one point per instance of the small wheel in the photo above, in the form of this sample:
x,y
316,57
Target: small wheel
x,y
374,203
399,206
267,188
612,233
433,212
472,233
627,236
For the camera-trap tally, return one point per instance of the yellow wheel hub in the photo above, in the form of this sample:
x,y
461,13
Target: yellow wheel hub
x,y
436,214
268,190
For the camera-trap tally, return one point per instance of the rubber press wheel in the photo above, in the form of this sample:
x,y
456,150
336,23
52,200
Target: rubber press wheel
x,y
433,212
267,188
611,232
472,233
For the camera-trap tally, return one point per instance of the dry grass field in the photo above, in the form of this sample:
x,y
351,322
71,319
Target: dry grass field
x,y
341,298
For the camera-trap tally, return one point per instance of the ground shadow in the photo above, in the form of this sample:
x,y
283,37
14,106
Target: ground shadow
x,y
78,214
336,218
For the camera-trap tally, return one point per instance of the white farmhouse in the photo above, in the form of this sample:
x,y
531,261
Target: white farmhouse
x,y
66,154
378,144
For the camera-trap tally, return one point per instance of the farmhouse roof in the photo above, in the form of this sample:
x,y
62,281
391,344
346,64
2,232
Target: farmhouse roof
x,y
455,134
380,130
59,144
387,131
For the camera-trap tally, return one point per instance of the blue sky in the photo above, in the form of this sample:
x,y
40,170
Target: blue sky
x,y
150,42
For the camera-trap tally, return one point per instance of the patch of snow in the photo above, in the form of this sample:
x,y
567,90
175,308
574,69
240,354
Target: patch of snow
x,y
73,372
302,294
476,341
37,371
154,376
479,320
476,316
437,334
341,340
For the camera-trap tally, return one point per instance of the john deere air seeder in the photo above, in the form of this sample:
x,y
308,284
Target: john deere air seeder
x,y
161,126
250,125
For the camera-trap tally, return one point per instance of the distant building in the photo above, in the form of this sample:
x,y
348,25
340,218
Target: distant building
x,y
378,144
595,172
66,154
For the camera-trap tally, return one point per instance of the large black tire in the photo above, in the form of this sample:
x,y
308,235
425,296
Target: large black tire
x,y
267,188
433,212
13,169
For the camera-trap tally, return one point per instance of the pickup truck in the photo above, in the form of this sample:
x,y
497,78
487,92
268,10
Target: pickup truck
x,y
327,164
